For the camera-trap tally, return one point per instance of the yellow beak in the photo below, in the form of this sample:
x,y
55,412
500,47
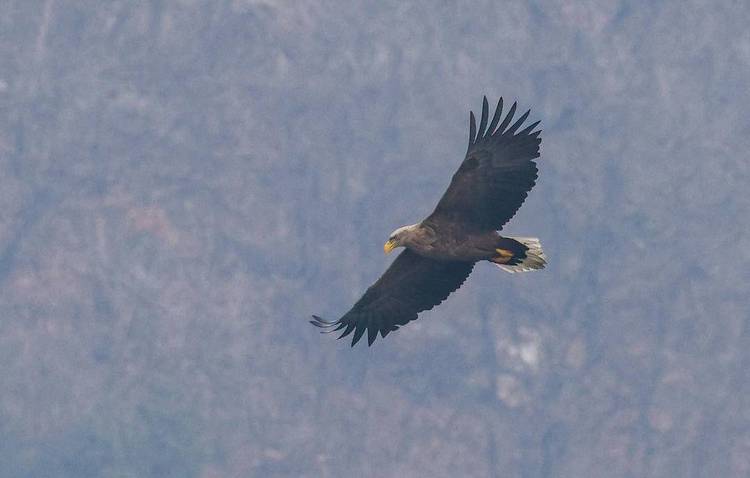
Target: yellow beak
x,y
389,246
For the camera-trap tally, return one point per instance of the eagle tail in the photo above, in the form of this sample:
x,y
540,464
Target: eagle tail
x,y
530,256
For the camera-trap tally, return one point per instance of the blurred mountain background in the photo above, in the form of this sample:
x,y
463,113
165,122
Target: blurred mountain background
x,y
184,182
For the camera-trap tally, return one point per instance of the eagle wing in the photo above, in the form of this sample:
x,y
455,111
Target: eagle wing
x,y
494,177
411,284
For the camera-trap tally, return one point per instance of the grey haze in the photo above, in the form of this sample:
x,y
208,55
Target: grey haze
x,y
184,182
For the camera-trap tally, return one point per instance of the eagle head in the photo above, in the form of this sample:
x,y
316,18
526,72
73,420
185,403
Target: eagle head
x,y
400,237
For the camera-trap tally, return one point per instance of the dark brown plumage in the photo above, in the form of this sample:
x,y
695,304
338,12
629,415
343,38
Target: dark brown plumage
x,y
488,188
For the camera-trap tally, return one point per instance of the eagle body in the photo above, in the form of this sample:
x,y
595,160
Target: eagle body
x,y
453,244
440,252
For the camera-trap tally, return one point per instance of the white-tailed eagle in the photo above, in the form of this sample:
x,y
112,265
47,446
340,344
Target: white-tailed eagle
x,y
492,182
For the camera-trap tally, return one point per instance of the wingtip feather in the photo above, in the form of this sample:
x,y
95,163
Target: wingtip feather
x,y
518,123
508,118
472,127
347,331
372,334
529,128
483,121
496,117
358,332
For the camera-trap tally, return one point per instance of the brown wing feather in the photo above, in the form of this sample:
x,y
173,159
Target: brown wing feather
x,y
411,284
495,177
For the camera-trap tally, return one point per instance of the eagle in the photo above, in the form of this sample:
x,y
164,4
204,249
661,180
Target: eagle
x,y
440,252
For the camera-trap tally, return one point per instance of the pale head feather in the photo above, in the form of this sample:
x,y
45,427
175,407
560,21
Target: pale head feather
x,y
400,235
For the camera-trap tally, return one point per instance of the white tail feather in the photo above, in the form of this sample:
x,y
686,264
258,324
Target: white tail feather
x,y
535,258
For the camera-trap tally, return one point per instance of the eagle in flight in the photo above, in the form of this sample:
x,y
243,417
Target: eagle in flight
x,y
440,252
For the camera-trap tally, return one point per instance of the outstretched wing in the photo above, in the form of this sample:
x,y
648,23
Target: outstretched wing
x,y
496,175
411,284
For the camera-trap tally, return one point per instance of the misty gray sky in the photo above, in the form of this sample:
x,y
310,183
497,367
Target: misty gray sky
x,y
185,182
